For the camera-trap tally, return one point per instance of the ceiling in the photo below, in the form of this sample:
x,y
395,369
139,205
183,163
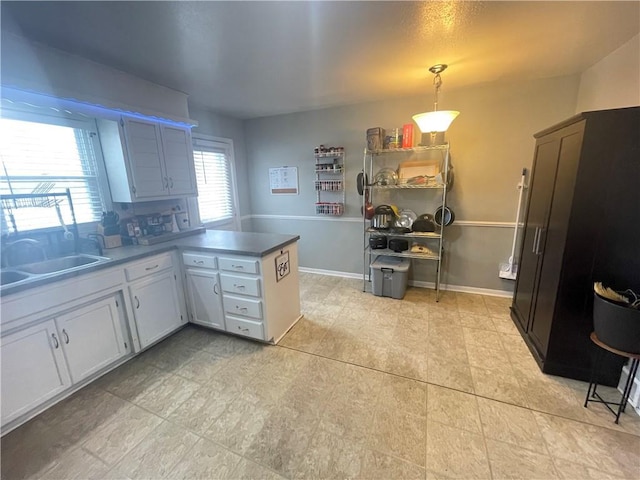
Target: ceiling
x,y
252,59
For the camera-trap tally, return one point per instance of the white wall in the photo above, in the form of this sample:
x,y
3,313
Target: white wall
x,y
31,66
614,81
492,140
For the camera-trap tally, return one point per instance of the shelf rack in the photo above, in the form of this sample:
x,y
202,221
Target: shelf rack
x,y
437,237
329,182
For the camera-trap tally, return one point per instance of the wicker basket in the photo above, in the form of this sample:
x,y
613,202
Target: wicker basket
x,y
616,325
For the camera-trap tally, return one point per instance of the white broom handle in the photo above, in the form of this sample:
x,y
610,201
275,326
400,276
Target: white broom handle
x,y
515,230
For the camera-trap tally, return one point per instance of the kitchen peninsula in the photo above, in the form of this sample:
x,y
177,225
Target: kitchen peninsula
x,y
62,330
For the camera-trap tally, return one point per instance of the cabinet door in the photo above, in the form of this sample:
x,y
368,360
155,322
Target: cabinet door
x,y
91,338
204,298
144,148
553,236
178,160
33,369
155,307
541,192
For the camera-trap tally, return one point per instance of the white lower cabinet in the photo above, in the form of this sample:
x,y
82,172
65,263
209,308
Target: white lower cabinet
x,y
91,338
33,369
230,299
42,361
245,327
247,307
243,294
155,306
204,298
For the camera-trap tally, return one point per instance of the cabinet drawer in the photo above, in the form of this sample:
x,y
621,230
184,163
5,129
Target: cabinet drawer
x,y
241,285
148,267
236,265
244,327
201,260
242,306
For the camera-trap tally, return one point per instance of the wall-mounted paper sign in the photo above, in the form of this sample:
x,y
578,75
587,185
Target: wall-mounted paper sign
x,y
282,266
283,180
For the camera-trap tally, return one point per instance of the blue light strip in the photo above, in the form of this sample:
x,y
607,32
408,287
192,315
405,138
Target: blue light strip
x,y
81,107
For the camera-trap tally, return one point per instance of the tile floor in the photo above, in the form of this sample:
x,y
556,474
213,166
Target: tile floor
x,y
362,387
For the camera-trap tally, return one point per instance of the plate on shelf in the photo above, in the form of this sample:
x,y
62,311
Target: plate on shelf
x,y
406,218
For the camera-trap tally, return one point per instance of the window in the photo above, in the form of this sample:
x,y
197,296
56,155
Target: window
x,y
43,154
213,161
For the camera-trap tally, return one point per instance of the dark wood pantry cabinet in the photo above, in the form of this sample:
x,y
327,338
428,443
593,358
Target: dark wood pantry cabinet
x,y
582,226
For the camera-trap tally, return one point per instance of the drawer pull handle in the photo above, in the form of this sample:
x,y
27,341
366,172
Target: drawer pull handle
x,y
137,302
215,288
237,267
239,287
55,340
66,336
242,309
243,329
152,268
199,262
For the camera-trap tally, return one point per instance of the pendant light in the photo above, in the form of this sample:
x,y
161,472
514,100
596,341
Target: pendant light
x,y
437,122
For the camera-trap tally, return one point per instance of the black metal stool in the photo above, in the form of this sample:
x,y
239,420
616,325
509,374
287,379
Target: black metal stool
x,y
593,382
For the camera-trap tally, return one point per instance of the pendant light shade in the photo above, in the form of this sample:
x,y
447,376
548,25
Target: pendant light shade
x,y
435,121
438,120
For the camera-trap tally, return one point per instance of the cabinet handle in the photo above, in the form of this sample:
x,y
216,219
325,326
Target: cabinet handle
x,y
171,180
243,329
152,268
242,309
55,340
535,241
538,252
239,287
137,302
199,262
166,183
66,336
215,288
237,267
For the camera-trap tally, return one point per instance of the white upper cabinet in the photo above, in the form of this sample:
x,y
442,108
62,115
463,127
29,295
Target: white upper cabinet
x,y
178,159
144,148
147,160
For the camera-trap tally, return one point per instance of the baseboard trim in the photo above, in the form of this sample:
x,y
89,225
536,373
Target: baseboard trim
x,y
416,283
330,273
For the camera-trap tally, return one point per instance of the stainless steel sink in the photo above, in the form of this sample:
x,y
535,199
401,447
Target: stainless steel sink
x,y
9,276
60,264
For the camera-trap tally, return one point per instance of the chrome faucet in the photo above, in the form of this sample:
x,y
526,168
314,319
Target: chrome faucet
x,y
22,251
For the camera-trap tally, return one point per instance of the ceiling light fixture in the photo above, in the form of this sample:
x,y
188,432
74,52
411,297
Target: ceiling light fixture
x,y
437,122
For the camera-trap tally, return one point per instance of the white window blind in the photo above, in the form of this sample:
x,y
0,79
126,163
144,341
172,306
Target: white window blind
x,y
215,183
47,158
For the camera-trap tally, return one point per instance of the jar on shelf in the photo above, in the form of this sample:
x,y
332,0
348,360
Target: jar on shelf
x,y
394,138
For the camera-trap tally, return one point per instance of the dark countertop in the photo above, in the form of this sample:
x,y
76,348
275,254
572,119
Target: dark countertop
x,y
215,241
